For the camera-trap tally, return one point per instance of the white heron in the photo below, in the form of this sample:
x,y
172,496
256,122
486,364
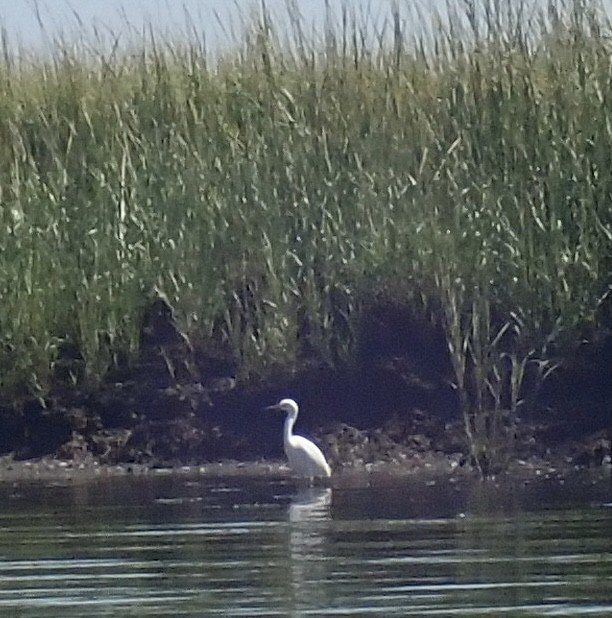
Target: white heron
x,y
305,457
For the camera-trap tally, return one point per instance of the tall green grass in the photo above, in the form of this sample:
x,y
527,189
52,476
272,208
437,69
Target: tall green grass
x,y
267,192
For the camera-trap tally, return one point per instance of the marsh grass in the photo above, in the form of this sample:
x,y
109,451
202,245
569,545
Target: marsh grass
x,y
268,191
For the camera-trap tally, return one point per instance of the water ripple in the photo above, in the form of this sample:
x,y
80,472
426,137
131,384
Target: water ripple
x,y
217,550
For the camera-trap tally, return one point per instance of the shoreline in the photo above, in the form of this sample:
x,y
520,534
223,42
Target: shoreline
x,y
384,411
428,469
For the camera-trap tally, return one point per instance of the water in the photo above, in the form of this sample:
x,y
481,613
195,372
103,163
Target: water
x,y
195,546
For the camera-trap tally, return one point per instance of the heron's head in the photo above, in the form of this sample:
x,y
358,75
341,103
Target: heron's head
x,y
288,406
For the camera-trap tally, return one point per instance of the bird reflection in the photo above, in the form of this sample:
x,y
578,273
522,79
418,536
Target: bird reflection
x,y
310,519
310,504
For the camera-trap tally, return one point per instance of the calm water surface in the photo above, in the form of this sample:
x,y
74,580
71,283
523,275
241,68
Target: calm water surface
x,y
195,546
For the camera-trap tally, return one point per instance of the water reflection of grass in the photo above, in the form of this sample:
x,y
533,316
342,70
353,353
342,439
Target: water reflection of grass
x,y
524,554
269,194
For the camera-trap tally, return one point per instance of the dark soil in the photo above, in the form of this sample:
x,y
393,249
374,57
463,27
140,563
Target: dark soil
x,y
181,405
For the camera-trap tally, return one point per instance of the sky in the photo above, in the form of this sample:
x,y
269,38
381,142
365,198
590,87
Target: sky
x,y
21,19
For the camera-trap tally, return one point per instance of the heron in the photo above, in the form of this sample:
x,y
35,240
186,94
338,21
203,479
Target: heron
x,y
305,457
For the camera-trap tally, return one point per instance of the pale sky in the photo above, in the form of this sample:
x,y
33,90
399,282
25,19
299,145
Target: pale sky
x,y
20,18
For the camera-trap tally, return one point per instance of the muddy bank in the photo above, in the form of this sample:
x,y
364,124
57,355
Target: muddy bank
x,y
181,404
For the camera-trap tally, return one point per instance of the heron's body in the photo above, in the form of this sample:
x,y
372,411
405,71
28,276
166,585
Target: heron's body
x,y
305,457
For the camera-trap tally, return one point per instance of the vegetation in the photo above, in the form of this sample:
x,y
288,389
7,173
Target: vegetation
x,y
266,194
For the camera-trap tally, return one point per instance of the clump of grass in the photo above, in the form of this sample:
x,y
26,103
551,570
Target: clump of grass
x,y
266,191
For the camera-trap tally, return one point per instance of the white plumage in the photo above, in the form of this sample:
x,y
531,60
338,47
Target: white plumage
x,y
305,457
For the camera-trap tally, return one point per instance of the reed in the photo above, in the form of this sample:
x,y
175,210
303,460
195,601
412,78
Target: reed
x,y
267,191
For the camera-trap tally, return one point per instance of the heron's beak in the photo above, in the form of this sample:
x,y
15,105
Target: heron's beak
x,y
274,408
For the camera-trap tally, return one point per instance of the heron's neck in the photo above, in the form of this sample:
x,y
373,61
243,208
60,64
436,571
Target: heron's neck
x,y
288,431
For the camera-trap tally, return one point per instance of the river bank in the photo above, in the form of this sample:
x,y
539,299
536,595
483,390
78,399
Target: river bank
x,y
394,410
411,238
